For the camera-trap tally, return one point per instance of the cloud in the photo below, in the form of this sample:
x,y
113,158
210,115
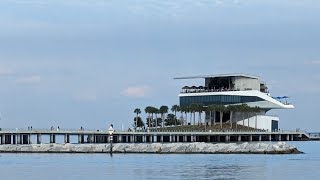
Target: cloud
x,y
5,70
315,62
29,79
138,91
88,95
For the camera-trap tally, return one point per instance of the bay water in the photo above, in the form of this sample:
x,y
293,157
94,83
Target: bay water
x,y
163,166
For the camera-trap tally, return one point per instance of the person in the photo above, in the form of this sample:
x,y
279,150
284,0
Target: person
x,y
58,128
31,128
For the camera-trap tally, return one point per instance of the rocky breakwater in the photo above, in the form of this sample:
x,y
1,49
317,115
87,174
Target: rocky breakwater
x,y
160,148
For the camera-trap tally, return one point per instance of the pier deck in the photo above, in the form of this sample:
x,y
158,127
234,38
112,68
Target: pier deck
x,y
102,136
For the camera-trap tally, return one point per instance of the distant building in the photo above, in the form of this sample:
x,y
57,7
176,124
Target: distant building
x,y
235,89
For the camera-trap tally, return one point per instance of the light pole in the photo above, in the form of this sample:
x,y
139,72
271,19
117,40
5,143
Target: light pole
x,y
111,130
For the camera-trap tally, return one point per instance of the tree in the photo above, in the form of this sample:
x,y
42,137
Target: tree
x,y
163,111
138,122
243,108
175,108
231,108
148,110
149,122
172,120
221,109
210,108
137,111
193,110
156,112
185,109
199,109
256,110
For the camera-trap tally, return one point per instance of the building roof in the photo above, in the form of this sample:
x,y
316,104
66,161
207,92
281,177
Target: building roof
x,y
219,75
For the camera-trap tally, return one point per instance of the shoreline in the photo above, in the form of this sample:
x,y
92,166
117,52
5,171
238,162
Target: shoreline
x,y
156,148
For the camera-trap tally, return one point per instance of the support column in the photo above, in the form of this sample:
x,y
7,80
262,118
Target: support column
x,y
39,138
170,138
185,138
3,139
239,138
155,139
29,139
227,138
18,139
279,137
250,138
288,137
260,137
66,138
270,137
291,137
14,139
52,138
120,138
178,138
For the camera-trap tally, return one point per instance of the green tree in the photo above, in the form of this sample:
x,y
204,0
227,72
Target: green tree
x,y
138,122
199,109
175,108
193,110
231,109
221,109
185,109
163,111
137,111
148,110
256,110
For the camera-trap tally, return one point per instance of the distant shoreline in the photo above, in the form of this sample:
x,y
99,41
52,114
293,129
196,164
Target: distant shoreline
x,y
157,148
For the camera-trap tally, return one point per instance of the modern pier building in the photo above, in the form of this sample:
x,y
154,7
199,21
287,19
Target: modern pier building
x,y
235,89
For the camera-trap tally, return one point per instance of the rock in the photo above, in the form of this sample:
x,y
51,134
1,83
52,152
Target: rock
x,y
205,148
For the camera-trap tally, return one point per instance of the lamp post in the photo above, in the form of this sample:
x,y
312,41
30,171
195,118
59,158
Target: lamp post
x,y
111,130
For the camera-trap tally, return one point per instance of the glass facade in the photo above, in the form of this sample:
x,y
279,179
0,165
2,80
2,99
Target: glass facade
x,y
217,99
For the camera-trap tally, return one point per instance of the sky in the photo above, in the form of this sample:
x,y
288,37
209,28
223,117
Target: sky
x,y
91,63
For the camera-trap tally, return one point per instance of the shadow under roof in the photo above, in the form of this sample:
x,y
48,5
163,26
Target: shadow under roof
x,y
218,75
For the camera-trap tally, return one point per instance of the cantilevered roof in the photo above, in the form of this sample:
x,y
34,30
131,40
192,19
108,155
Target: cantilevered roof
x,y
219,75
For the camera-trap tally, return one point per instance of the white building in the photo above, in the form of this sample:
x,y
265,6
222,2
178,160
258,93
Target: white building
x,y
235,89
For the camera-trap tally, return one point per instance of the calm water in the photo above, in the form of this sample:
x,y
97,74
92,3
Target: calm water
x,y
152,166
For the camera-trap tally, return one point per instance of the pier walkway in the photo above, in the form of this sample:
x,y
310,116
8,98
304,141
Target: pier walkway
x,y
39,136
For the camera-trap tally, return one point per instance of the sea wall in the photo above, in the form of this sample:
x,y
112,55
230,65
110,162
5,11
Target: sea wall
x,y
165,148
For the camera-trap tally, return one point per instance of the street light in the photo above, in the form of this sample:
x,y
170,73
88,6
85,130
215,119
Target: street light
x,y
111,130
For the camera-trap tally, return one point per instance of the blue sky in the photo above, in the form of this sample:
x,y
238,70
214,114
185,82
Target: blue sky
x,y
90,63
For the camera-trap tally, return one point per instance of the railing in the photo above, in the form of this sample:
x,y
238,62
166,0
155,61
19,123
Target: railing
x,y
207,90
157,130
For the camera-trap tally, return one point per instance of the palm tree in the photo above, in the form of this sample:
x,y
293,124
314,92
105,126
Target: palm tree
x,y
148,110
156,112
199,109
185,109
163,111
256,110
221,109
175,108
193,109
137,111
243,108
231,108
210,108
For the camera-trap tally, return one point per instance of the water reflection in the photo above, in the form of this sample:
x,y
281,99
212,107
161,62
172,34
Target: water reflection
x,y
153,166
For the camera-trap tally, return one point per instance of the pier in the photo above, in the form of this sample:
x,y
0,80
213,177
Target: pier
x,y
102,136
